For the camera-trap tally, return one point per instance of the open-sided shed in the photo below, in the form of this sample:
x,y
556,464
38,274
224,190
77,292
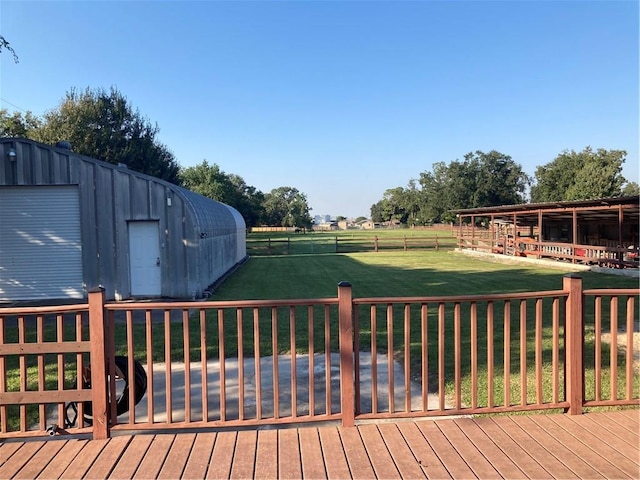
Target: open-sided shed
x,y
69,223
602,231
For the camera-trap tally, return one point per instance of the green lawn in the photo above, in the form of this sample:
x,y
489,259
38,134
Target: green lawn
x,y
382,274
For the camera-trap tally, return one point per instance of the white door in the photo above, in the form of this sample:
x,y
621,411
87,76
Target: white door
x,y
144,258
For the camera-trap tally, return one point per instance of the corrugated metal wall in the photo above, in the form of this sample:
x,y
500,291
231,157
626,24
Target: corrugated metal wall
x,y
200,239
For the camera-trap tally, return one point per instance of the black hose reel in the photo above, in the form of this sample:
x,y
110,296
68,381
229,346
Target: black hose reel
x,y
123,391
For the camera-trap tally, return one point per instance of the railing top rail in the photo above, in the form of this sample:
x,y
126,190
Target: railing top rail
x,y
612,291
219,304
462,298
44,309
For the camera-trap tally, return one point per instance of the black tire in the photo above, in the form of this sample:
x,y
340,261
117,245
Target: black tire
x,y
122,372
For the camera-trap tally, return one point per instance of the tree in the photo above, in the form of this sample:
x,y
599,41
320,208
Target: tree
x,y
631,188
103,125
5,45
584,175
18,125
212,182
287,207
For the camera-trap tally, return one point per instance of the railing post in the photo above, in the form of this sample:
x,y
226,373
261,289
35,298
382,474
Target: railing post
x,y
345,318
574,329
99,386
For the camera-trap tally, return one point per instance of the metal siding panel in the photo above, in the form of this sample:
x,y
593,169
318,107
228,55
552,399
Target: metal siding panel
x,y
105,229
40,245
88,224
139,191
121,204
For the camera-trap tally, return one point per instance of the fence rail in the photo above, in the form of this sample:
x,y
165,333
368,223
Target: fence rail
x,y
340,358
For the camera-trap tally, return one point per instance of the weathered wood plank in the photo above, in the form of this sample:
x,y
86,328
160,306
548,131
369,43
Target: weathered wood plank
x,y
467,450
177,457
84,459
40,460
555,447
500,462
512,450
63,458
333,453
422,451
452,461
383,464
108,457
244,458
311,454
554,467
591,422
580,445
402,455
356,454
155,457
289,454
200,455
132,457
19,459
267,455
220,464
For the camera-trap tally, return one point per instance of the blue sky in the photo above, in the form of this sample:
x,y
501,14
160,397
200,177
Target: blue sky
x,y
341,99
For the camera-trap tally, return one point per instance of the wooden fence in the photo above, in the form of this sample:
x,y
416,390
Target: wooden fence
x,y
348,244
241,363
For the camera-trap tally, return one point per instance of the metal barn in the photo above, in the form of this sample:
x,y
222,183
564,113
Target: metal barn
x,y
69,223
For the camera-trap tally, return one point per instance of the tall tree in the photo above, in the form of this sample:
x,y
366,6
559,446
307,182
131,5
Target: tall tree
x,y
584,175
18,125
287,207
104,125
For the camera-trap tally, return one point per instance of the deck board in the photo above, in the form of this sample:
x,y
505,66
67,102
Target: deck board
x,y
335,460
381,460
40,460
174,464
593,445
132,456
200,455
267,455
504,466
402,455
311,454
220,464
244,457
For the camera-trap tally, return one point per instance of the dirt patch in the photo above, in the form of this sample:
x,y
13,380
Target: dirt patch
x,y
622,346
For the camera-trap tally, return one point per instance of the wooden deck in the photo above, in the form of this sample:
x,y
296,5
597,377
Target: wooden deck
x,y
593,445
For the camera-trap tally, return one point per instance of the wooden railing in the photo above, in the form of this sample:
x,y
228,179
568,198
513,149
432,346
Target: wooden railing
x,y
215,364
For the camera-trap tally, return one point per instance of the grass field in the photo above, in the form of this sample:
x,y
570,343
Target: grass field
x,y
382,274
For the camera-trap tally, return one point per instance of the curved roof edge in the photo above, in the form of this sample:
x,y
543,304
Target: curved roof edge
x,y
199,203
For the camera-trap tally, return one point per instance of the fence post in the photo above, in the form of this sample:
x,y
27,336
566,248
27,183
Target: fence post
x,y
375,243
574,355
345,318
99,392
436,242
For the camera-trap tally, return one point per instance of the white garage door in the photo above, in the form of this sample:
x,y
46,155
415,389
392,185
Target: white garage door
x,y
40,247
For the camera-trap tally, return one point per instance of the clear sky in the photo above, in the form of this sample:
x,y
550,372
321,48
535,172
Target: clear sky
x,y
341,99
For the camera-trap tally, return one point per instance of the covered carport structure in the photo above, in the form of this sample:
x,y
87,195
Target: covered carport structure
x,y
598,232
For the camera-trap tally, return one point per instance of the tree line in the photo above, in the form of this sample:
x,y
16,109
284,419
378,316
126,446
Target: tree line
x,y
104,125
493,179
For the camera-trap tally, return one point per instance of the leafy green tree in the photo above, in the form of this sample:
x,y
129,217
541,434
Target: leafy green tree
x,y
18,125
231,189
631,188
584,175
287,207
498,179
104,125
